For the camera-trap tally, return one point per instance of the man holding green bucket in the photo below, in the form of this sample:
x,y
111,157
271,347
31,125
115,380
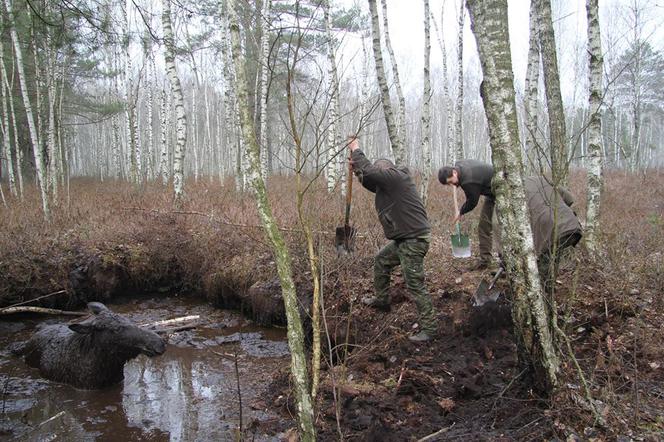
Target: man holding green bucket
x,y
474,177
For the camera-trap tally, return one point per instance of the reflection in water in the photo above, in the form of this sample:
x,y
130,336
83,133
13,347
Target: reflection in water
x,y
187,394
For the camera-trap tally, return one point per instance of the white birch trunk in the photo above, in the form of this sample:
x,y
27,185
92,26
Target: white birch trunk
x,y
447,148
401,101
531,91
12,113
263,94
149,161
181,118
458,127
595,157
6,139
426,107
194,129
398,149
532,318
37,152
279,248
554,100
163,119
51,146
130,109
333,87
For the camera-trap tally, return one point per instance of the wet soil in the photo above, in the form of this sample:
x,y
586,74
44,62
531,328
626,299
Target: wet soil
x,y
189,393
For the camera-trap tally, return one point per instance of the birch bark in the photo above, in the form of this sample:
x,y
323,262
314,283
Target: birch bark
x,y
458,127
178,99
534,335
34,139
554,100
331,166
426,107
392,129
265,53
6,138
279,249
401,101
531,90
596,159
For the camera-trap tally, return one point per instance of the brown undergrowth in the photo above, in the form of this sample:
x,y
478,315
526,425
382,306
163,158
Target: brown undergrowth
x,y
112,239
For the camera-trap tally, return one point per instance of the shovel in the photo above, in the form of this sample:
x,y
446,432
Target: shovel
x,y
460,243
484,292
344,236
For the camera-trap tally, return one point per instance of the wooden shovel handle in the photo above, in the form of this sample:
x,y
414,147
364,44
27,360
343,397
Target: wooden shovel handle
x,y
349,193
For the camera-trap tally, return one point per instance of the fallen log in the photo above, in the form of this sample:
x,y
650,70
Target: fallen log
x,y
168,330
42,310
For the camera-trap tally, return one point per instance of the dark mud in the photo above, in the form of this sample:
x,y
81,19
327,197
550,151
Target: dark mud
x,y
189,393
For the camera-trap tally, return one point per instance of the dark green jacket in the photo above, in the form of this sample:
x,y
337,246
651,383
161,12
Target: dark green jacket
x,y
475,180
399,206
540,198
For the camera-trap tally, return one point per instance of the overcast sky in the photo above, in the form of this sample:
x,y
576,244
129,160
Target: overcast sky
x,y
407,35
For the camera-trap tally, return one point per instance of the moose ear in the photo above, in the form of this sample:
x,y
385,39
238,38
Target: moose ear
x,y
97,307
81,328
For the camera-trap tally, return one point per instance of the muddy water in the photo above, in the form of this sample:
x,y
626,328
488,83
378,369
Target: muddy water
x,y
188,394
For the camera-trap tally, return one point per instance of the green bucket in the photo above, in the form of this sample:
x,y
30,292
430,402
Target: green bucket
x,y
460,244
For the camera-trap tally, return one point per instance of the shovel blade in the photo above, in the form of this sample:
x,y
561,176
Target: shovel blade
x,y
460,246
344,239
484,294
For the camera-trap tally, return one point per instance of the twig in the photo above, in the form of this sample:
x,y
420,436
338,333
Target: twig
x,y
46,311
403,371
433,436
34,299
60,414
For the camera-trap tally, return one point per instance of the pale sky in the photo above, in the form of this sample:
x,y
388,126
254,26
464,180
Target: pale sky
x,y
407,35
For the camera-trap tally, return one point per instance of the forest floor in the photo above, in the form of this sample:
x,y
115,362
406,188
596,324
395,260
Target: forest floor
x,y
110,238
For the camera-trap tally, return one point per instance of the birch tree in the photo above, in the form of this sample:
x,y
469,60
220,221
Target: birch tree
x,y
40,164
263,93
531,88
595,162
279,248
398,148
458,128
554,99
178,99
532,320
426,106
401,101
331,166
6,138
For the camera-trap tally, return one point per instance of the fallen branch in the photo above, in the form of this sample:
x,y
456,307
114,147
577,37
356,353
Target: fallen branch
x,y
45,311
171,321
433,436
34,299
176,329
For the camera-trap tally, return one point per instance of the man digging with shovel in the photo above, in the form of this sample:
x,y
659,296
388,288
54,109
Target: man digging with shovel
x,y
405,223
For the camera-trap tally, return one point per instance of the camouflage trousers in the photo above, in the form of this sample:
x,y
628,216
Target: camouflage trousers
x,y
408,253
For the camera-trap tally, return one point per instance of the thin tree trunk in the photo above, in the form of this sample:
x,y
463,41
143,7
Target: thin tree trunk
x,y
531,91
331,166
279,248
554,100
458,128
596,159
426,106
34,139
6,138
401,101
263,94
396,142
178,98
535,341
163,119
448,142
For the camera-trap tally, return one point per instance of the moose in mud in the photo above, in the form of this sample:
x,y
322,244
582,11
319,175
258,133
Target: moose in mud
x,y
90,354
